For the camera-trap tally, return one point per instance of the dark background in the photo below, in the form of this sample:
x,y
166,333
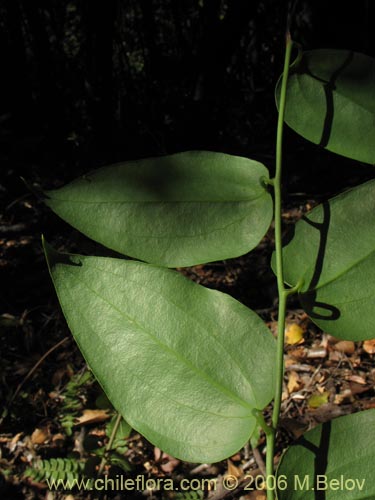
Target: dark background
x,y
86,83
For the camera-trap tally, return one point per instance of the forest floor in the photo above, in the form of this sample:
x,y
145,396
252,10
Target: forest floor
x,y
56,422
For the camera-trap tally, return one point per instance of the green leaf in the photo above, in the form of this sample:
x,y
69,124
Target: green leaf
x,y
333,461
184,365
180,210
333,251
331,102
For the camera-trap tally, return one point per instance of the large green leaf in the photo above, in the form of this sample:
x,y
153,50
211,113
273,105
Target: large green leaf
x,y
333,461
184,365
178,210
331,102
333,251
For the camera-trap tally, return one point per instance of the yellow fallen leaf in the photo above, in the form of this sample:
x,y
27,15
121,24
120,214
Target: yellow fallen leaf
x,y
293,334
93,417
317,400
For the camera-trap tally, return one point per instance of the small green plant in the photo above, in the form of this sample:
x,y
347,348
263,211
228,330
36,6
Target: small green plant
x,y
189,495
192,369
73,469
73,400
55,469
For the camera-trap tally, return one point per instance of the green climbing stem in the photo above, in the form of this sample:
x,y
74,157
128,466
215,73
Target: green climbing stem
x,y
282,291
110,443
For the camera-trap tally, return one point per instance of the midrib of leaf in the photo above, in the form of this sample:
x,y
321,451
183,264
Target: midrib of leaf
x,y
195,320
157,202
168,349
187,236
163,394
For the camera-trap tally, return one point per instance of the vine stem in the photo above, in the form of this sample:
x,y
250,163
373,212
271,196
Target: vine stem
x,y
282,291
110,443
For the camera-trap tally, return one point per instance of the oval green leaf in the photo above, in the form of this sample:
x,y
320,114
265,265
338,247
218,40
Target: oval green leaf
x,y
334,461
179,210
333,252
184,365
331,102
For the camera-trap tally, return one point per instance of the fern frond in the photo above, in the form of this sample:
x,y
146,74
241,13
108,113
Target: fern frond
x,y
65,469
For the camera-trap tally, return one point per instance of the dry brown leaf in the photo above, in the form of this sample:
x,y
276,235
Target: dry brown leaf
x,y
293,426
345,346
147,466
330,411
344,397
256,495
369,346
298,353
357,379
294,382
284,395
58,437
289,362
332,340
168,463
335,356
12,445
99,433
273,325
232,470
358,388
367,405
39,436
293,334
92,417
